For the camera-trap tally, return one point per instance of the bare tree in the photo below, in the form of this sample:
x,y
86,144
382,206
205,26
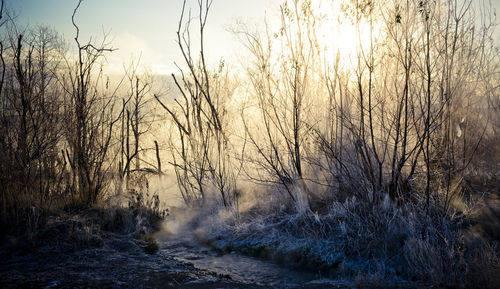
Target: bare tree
x,y
30,124
135,123
283,98
91,118
391,123
200,146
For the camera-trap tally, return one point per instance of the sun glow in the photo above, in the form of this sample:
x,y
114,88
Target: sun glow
x,y
347,38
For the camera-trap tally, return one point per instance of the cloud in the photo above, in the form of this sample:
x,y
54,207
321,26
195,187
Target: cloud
x,y
131,47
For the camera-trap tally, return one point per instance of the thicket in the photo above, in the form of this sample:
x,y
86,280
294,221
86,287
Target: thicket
x,y
381,162
411,113
71,138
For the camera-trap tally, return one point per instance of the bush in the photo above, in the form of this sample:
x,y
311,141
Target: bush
x,y
141,214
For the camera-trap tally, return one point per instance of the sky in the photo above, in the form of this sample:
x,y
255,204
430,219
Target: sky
x,y
147,28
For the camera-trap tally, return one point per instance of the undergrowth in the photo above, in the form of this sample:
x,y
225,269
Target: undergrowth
x,y
133,216
363,241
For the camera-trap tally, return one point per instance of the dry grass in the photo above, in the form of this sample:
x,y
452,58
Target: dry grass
x,y
369,242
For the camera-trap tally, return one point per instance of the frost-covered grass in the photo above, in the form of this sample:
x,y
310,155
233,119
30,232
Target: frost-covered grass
x,y
365,241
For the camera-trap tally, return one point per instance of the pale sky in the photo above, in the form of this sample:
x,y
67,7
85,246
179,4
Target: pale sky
x,y
147,26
